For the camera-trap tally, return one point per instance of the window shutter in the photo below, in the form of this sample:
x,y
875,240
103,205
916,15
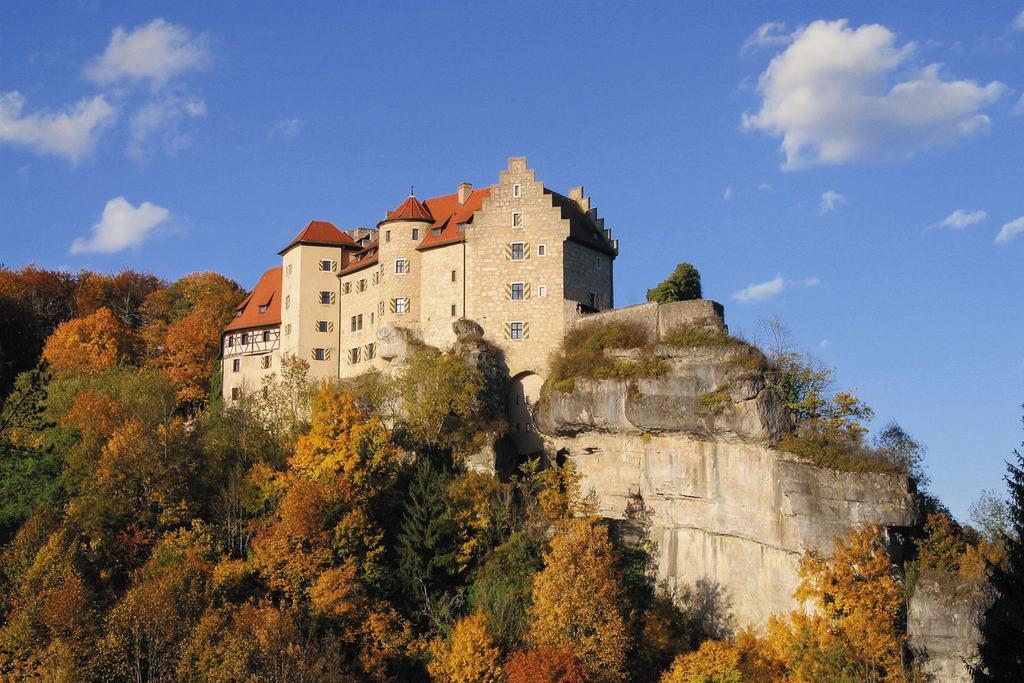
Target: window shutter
x,y
526,330
330,326
408,304
526,251
312,354
394,305
508,252
332,297
526,290
334,266
508,290
327,354
508,330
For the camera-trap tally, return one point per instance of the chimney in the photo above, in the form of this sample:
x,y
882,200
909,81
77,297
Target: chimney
x,y
464,191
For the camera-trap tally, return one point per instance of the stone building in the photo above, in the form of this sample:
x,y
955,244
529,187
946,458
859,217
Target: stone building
x,y
517,258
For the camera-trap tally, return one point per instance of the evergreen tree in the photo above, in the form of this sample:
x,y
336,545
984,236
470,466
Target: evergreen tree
x,y
428,541
682,285
1002,626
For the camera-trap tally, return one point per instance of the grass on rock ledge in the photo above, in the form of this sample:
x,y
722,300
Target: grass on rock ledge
x,y
583,355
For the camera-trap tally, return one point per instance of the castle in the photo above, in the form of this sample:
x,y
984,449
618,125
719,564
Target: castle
x,y
517,258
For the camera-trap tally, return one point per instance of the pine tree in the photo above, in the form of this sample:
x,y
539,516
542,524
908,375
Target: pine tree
x,y
428,542
1002,627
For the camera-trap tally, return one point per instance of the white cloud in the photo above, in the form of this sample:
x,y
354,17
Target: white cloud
x,y
727,195
286,128
121,226
164,115
767,34
832,98
760,291
1018,22
962,218
71,133
829,201
1010,230
155,53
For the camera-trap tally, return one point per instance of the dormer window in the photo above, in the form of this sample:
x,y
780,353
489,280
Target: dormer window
x,y
436,232
263,308
238,313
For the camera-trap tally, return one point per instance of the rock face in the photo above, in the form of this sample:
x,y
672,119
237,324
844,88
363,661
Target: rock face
x,y
728,513
942,626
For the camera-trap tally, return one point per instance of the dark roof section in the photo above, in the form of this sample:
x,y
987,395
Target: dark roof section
x,y
321,233
362,259
584,227
266,295
449,215
409,210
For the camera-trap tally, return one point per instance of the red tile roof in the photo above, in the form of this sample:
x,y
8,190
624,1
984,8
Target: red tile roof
x,y
448,215
267,293
362,259
321,233
409,210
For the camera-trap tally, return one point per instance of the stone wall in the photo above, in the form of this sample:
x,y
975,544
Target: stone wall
x,y
442,294
660,319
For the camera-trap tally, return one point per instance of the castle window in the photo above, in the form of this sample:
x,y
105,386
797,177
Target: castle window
x,y
415,233
436,232
238,313
593,299
453,276
357,322
401,266
517,219
361,285
598,262
401,305
516,330
288,329
376,277
319,354
517,190
266,335
516,293
453,310
371,317
380,308
231,340
236,365
327,265
542,291
245,338
236,393
518,251
370,351
346,287
263,308
542,250
353,355
288,270
387,235
327,297
265,362
288,302
322,326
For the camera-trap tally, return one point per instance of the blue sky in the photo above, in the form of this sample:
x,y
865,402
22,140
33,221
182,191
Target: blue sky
x,y
853,168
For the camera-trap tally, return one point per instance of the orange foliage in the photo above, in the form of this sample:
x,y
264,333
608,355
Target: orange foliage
x,y
578,599
545,665
189,355
468,657
90,344
93,413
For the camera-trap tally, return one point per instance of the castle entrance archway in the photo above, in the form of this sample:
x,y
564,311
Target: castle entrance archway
x,y
523,394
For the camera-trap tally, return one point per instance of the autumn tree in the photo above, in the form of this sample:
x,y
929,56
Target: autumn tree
x,y
123,294
682,285
1002,624
578,598
90,344
502,589
189,355
468,656
545,665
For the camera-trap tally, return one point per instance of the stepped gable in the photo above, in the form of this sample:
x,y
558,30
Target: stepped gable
x,y
321,233
584,226
267,296
449,214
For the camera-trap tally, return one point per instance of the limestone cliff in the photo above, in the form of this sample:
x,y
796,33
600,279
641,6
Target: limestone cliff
x,y
727,511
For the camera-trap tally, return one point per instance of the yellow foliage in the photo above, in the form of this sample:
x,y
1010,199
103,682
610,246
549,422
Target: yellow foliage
x,y
468,657
578,599
90,344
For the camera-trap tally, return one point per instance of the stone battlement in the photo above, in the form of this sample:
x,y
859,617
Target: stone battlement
x,y
658,319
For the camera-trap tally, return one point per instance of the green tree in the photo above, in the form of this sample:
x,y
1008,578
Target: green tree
x,y
682,285
428,543
1002,625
